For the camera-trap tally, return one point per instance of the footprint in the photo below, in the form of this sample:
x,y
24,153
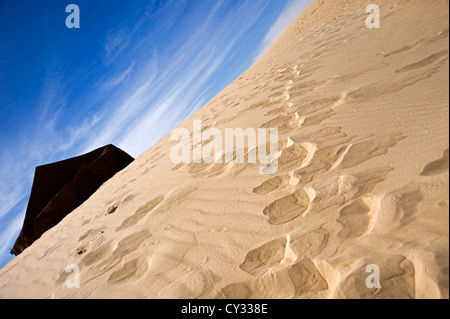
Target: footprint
x,y
310,245
272,184
284,251
292,157
140,213
240,290
131,271
355,219
131,242
437,167
101,260
97,255
306,278
406,202
260,260
301,279
288,208
397,279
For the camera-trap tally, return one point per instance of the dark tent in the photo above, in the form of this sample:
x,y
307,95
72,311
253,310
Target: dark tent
x,y
61,187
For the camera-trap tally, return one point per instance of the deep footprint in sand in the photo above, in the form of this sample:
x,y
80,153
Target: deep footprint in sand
x,y
310,245
131,271
284,251
124,247
277,182
397,279
355,219
102,260
261,259
292,157
96,255
288,208
140,213
306,278
301,279
131,242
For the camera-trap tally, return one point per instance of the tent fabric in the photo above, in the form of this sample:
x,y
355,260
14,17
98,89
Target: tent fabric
x,y
59,188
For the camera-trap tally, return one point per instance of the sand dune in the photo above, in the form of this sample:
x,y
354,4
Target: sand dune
x,y
362,180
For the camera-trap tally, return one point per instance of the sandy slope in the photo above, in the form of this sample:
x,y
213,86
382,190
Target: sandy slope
x,y
363,179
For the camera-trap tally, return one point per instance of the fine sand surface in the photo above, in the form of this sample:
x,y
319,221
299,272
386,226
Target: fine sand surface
x,y
363,179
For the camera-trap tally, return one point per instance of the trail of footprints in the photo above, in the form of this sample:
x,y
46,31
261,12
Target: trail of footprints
x,y
112,259
308,170
105,258
100,256
283,266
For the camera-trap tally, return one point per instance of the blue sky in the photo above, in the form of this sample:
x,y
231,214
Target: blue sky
x,y
132,72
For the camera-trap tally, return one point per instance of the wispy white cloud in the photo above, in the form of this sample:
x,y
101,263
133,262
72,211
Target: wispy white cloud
x,y
44,141
19,158
13,183
117,79
117,41
153,105
77,133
